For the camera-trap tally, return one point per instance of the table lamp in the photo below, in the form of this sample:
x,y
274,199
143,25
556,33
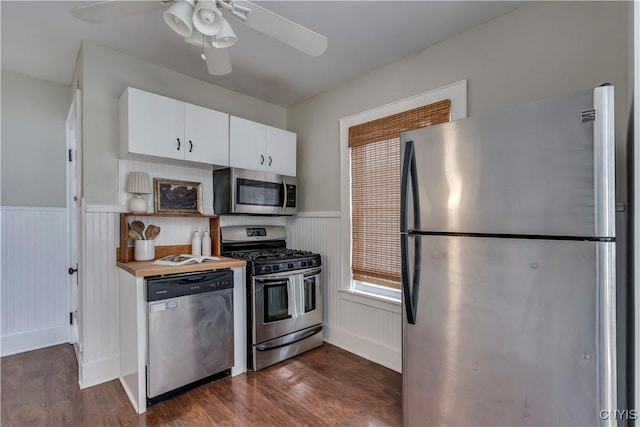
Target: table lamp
x,y
138,183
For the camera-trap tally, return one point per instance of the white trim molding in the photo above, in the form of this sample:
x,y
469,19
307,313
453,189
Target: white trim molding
x,y
379,353
327,214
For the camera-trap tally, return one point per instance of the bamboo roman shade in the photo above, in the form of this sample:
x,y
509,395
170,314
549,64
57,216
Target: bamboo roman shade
x,y
375,191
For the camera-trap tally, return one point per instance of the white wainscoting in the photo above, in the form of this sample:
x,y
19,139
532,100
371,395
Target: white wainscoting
x,y
99,305
35,282
370,332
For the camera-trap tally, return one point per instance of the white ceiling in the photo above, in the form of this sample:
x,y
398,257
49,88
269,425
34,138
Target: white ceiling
x,y
42,39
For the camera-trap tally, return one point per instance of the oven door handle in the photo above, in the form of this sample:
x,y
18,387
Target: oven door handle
x,y
289,339
309,272
290,297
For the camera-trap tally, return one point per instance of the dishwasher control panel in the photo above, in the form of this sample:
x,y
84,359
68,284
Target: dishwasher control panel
x,y
165,287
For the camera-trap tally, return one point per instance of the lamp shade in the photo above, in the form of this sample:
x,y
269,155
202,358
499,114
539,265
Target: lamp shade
x,y
226,37
179,17
139,183
207,18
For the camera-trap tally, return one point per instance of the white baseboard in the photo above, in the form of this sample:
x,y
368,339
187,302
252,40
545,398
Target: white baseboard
x,y
378,353
99,371
33,340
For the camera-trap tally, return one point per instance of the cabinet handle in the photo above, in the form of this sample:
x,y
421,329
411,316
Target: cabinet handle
x,y
261,159
270,161
178,144
190,146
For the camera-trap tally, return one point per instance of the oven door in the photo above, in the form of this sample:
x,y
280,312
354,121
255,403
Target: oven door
x,y
285,303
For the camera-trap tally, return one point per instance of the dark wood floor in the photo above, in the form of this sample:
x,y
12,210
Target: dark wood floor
x,y
324,387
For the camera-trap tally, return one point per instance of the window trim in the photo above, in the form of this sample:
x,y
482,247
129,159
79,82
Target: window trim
x,y
350,289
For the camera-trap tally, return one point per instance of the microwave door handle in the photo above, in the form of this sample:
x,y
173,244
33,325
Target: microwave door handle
x,y
284,194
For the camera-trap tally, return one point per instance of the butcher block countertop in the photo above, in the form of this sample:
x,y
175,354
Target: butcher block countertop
x,y
148,268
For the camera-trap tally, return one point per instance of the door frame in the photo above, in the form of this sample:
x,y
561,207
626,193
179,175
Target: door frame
x,y
73,125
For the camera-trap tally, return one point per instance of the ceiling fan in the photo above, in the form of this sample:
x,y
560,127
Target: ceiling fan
x,y
203,24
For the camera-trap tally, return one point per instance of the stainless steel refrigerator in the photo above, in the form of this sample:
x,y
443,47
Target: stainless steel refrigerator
x,y
508,247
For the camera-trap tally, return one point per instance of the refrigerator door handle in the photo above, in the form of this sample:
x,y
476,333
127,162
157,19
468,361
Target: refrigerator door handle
x,y
410,283
409,170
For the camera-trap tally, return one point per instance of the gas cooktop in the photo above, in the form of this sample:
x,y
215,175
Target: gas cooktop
x,y
265,261
268,254
264,249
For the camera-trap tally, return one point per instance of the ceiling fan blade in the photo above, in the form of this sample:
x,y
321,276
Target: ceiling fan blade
x,y
284,30
104,11
218,61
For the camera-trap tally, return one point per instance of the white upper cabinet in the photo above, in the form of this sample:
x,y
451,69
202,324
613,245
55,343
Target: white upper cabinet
x,y
206,134
260,147
154,125
281,151
247,141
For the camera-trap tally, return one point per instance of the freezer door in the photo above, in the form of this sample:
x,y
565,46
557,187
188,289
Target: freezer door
x,y
510,332
544,168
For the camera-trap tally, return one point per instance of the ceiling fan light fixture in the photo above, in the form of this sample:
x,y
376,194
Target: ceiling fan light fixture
x,y
226,37
207,18
195,39
179,17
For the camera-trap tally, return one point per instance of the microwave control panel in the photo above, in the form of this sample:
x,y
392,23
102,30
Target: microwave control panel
x,y
291,196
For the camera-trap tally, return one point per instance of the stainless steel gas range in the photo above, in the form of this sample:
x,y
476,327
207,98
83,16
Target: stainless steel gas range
x,y
284,293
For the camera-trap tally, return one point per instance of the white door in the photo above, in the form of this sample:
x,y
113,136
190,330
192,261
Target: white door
x,y
206,134
247,143
281,151
74,133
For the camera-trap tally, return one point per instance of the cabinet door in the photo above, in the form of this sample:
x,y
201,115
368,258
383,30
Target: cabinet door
x,y
156,123
206,134
247,143
281,151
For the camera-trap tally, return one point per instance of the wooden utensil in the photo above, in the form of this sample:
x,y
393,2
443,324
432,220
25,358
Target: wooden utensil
x,y
134,235
138,227
152,231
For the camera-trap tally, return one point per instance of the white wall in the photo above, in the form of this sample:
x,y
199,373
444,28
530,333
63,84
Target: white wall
x,y
34,282
541,50
105,75
33,141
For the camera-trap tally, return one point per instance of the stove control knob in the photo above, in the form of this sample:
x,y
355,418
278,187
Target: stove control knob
x,y
303,264
268,268
290,265
276,268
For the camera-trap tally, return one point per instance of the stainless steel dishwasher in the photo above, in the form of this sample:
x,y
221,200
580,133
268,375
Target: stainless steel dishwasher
x,y
190,331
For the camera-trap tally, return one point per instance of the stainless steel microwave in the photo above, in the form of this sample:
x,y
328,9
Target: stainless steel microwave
x,y
240,191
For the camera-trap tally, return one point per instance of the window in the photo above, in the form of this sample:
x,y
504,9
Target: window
x,y
375,191
370,170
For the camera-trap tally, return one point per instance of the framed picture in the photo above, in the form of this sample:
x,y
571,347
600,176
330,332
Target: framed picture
x,y
170,196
